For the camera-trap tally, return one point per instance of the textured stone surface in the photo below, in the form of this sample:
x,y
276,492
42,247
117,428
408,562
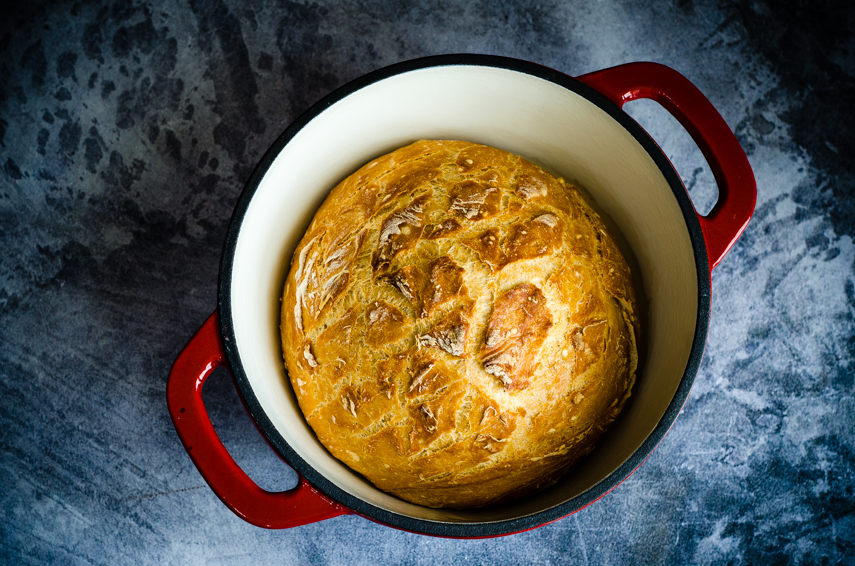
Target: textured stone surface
x,y
127,130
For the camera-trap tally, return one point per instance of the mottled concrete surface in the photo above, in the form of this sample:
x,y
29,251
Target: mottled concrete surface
x,y
127,130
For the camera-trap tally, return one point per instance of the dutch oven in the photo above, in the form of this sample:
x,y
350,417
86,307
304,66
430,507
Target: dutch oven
x,y
574,127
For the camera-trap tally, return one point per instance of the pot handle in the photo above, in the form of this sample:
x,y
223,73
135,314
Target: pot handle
x,y
272,510
736,185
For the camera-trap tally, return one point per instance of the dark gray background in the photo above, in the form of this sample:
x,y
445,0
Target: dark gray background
x,y
127,130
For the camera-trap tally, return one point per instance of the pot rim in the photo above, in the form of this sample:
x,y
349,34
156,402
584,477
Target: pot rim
x,y
470,529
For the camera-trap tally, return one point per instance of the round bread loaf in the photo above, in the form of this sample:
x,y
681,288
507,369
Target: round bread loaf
x,y
458,325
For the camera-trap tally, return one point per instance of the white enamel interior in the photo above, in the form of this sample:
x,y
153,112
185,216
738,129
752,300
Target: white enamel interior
x,y
514,111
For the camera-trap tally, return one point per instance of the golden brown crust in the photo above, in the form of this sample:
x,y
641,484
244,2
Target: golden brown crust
x,y
458,325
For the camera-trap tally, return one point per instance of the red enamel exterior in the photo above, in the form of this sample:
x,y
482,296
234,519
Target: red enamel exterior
x,y
272,510
737,188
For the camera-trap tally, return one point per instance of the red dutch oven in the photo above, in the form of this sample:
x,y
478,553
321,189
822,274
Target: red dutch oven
x,y
572,126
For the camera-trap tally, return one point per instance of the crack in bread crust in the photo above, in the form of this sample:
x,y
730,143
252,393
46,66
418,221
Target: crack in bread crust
x,y
458,325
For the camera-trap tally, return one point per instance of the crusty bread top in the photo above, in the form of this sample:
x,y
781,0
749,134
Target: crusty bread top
x,y
459,326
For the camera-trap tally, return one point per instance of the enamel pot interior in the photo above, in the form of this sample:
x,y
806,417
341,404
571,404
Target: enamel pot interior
x,y
548,118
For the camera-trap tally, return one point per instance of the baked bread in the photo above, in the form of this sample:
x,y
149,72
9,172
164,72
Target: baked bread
x,y
458,325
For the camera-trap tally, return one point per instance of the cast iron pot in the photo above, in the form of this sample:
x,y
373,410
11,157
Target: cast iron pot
x,y
573,127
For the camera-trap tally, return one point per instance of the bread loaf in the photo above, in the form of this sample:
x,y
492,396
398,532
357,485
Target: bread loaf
x,y
458,325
